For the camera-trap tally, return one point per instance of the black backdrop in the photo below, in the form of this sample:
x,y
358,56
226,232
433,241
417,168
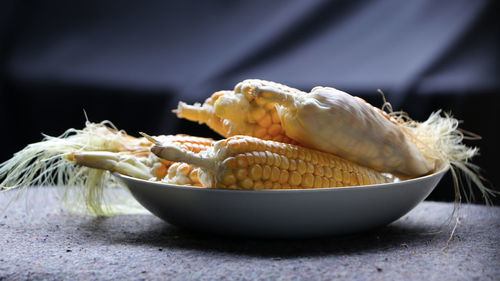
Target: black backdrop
x,y
131,62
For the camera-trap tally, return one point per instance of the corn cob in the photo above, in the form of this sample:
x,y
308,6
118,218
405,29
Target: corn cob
x,y
333,121
238,112
126,163
205,114
143,164
190,143
143,167
243,162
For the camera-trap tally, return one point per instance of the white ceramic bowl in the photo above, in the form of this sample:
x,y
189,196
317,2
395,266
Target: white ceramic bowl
x,y
282,213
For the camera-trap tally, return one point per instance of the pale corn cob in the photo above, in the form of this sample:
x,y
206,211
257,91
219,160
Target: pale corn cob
x,y
182,173
145,165
238,112
243,162
191,143
205,113
333,121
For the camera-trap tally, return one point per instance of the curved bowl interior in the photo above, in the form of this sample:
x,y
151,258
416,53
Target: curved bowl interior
x,y
282,213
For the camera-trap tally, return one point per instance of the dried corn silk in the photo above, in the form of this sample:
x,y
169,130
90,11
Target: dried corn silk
x,y
46,163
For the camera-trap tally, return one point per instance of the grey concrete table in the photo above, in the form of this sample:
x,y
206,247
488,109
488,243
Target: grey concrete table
x,y
41,242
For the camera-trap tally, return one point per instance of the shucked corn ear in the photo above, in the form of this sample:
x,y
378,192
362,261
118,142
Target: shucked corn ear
x,y
243,162
142,167
145,165
236,112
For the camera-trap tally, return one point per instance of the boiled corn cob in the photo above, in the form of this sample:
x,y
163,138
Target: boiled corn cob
x,y
237,112
243,162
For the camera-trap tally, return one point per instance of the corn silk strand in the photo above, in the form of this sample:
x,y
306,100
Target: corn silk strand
x,y
84,190
441,141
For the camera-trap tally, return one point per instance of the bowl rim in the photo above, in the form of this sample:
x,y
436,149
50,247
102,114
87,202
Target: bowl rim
x,y
160,184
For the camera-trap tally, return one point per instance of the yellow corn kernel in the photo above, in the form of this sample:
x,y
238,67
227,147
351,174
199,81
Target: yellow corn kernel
x,y
275,174
242,161
228,179
328,172
301,167
266,121
307,181
284,163
318,182
269,158
258,113
260,132
346,177
326,182
194,176
274,130
310,168
295,178
256,172
283,177
241,174
247,183
258,185
266,172
354,179
337,174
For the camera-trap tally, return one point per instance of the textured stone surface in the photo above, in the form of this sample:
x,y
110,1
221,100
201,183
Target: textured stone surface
x,y
41,242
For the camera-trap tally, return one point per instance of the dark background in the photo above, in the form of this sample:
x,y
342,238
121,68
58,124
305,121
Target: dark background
x,y
131,62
